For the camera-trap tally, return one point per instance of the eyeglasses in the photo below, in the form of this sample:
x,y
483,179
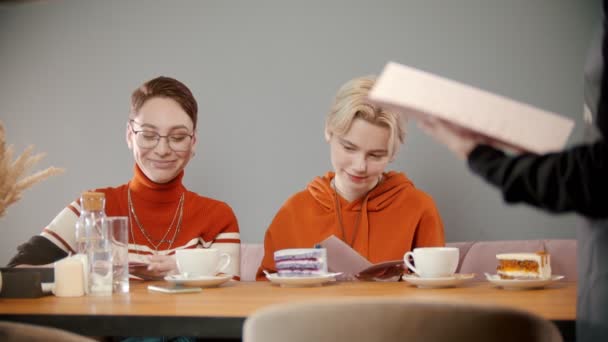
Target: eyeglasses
x,y
178,142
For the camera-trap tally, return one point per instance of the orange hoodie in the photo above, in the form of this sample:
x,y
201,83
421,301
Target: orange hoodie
x,y
393,218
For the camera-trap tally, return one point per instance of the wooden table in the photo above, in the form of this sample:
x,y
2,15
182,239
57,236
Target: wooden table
x,y
220,312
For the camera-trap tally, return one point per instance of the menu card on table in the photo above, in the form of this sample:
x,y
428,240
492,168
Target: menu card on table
x,y
342,258
516,124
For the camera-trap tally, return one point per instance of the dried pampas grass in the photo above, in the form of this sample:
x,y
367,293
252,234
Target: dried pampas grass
x,y
13,174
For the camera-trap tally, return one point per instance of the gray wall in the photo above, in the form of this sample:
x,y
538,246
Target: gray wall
x,y
264,73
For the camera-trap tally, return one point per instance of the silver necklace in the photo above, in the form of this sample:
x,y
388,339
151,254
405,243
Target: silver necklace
x,y
149,238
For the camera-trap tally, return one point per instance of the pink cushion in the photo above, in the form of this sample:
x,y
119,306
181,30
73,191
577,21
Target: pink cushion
x,y
481,255
464,249
475,256
251,258
563,257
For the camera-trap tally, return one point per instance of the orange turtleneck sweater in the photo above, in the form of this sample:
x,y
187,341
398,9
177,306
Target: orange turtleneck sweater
x,y
206,222
394,218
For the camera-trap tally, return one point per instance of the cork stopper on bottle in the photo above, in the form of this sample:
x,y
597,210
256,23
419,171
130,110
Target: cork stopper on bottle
x,y
93,201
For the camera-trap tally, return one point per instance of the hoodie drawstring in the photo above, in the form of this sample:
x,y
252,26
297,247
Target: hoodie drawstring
x,y
357,221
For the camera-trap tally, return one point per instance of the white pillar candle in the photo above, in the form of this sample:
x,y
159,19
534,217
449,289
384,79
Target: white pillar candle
x,y
69,277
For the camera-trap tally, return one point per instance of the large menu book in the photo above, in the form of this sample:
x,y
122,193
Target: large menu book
x,y
342,258
525,127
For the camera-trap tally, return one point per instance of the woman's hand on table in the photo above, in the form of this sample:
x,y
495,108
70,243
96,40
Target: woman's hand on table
x,y
157,268
385,271
164,264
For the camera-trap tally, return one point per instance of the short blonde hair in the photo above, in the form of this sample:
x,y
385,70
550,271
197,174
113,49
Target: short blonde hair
x,y
351,102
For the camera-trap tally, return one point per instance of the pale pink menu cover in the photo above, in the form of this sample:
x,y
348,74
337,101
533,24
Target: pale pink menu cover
x,y
342,258
518,124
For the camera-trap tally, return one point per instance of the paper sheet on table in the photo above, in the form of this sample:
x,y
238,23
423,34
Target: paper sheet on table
x,y
416,92
342,258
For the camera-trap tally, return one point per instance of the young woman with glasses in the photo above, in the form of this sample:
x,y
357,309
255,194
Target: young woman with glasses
x,y
163,215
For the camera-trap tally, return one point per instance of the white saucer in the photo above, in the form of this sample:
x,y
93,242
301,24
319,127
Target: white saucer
x,y
201,281
521,284
301,281
433,283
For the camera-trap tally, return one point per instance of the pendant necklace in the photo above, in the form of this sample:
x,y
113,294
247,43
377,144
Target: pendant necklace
x,y
178,215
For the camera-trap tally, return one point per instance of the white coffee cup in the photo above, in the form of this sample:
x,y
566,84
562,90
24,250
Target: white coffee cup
x,y
199,262
433,262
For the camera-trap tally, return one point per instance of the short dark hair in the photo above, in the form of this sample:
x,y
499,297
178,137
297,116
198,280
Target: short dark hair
x,y
166,87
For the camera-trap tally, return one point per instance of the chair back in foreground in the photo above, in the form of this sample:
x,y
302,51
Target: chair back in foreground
x,y
13,332
389,320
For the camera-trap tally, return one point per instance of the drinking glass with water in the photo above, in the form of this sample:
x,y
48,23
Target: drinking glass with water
x,y
117,228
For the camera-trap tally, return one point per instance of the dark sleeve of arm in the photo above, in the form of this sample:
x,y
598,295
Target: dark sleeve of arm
x,y
37,251
572,180
602,106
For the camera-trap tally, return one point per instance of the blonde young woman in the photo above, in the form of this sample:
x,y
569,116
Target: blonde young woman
x,y
380,214
163,214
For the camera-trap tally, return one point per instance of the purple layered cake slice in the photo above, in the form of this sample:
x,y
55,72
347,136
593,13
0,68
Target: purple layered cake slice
x,y
301,262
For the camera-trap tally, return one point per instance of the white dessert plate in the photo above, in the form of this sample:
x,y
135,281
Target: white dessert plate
x,y
433,283
201,281
521,284
301,281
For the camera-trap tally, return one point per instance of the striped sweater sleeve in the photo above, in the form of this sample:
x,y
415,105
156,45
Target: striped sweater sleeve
x,y
225,236
55,242
61,230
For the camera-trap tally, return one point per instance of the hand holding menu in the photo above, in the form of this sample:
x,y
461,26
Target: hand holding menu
x,y
497,117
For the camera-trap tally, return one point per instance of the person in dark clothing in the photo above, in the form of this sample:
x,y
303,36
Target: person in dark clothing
x,y
573,180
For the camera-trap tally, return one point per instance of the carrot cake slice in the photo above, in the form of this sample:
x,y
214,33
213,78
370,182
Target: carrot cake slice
x,y
524,265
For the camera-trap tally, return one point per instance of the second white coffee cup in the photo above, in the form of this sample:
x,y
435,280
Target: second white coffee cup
x,y
199,262
433,262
